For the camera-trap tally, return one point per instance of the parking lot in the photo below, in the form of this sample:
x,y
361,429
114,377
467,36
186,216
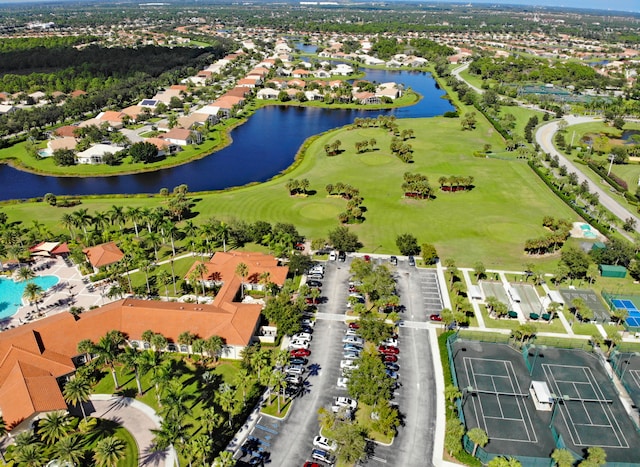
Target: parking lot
x,y
289,442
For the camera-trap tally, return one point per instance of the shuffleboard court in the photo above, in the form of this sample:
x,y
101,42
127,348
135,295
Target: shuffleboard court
x,y
529,300
591,299
584,407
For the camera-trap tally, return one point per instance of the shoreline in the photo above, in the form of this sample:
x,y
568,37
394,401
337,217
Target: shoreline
x,y
226,141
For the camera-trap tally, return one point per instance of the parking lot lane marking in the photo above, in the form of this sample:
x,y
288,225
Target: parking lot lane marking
x,y
379,459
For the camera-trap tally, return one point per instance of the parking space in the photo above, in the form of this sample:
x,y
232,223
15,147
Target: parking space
x,y
289,442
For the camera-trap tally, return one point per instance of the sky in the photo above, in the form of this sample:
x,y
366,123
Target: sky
x,y
617,5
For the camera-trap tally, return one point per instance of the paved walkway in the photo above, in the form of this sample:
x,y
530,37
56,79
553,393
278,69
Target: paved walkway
x,y
139,419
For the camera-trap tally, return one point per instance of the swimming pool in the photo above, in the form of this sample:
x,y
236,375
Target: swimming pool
x,y
587,232
11,293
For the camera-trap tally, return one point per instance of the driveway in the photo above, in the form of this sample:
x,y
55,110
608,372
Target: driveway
x,y
139,419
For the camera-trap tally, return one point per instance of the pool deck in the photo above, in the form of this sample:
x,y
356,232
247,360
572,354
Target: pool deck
x,y
73,289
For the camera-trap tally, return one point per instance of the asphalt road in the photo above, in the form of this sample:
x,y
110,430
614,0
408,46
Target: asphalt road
x,y
544,137
289,442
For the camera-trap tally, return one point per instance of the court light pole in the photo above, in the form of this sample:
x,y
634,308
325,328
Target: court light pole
x,y
556,401
465,392
537,348
628,362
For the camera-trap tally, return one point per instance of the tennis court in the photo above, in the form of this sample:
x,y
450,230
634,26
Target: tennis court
x,y
627,367
584,407
495,386
633,317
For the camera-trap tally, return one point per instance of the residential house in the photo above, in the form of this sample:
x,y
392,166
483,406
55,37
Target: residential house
x,y
66,142
300,73
182,137
112,117
268,93
227,104
78,93
95,153
66,131
296,83
165,148
364,97
135,111
7,109
342,69
313,95
197,119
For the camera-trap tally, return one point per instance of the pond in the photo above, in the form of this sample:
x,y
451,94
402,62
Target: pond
x,y
262,147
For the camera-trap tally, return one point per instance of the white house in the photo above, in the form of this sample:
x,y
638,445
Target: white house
x,y
267,93
342,69
95,153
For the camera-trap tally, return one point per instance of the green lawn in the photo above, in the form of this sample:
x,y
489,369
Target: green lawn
x,y
522,116
489,223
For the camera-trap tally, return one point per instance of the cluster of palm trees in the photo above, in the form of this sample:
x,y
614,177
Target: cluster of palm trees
x,y
60,436
32,291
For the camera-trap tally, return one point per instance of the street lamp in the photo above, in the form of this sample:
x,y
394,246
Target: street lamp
x,y
538,348
556,400
465,392
611,158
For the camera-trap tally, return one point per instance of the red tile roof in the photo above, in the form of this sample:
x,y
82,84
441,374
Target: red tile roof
x,y
103,255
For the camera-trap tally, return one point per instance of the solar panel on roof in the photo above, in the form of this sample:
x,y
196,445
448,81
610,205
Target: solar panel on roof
x,y
149,102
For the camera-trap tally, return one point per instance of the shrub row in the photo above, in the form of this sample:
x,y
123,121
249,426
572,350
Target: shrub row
x,y
612,179
496,124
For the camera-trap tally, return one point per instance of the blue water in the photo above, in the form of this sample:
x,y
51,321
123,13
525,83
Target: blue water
x,y
306,49
11,293
262,147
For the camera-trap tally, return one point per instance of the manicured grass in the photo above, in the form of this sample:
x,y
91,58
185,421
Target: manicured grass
x,y
130,456
272,408
363,418
495,323
490,223
180,267
522,115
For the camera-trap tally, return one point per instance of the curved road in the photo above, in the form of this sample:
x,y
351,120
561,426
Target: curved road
x,y
544,137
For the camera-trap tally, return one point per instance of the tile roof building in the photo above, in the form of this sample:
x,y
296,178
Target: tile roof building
x,y
103,255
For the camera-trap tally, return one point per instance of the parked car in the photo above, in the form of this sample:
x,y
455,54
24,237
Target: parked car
x,y
346,402
351,332
390,342
313,283
311,464
342,382
298,344
351,355
299,246
325,443
298,361
315,276
342,256
304,336
392,374
295,370
348,365
292,390
394,260
308,322
352,348
354,325
306,329
389,358
300,352
412,261
294,379
387,349
333,256
435,317
324,456
367,258
392,366
317,269
353,340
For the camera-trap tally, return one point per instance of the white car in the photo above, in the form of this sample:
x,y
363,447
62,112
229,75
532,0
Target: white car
x,y
351,355
348,365
390,342
297,370
317,270
333,256
353,340
346,402
342,382
298,344
325,443
351,332
302,336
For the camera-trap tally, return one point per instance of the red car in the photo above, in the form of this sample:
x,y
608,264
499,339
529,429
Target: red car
x,y
299,246
354,325
435,318
367,258
311,464
300,353
389,358
388,350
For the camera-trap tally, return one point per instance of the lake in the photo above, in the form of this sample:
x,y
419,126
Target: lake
x,y
262,147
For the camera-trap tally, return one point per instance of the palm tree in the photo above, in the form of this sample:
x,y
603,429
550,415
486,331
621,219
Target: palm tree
x,y
214,346
117,216
223,232
187,338
30,455
3,432
155,241
210,420
107,350
596,456
68,221
108,452
562,458
133,214
170,229
479,438
54,426
25,274
163,279
226,399
81,219
69,449
242,270
201,271
277,382
77,392
134,359
33,293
